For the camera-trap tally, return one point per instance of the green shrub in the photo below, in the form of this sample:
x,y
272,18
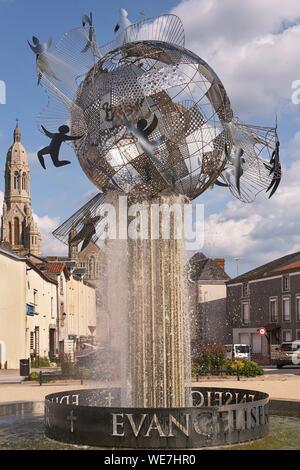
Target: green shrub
x,y
67,368
246,368
40,362
210,357
33,376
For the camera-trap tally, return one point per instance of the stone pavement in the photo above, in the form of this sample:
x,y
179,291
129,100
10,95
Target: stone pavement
x,y
31,391
283,386
10,376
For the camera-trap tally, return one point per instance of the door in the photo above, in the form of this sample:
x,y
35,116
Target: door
x,y
52,334
256,343
2,354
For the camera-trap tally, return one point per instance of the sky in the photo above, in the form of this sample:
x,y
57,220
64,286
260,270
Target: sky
x,y
254,47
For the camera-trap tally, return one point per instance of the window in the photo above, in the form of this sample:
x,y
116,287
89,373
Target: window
x,y
62,309
8,181
273,309
37,340
245,289
9,233
286,335
51,307
297,307
297,335
17,180
245,312
35,296
286,309
91,267
24,182
286,283
61,284
31,342
16,231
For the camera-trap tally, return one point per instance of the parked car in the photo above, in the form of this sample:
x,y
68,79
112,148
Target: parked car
x,y
289,354
238,351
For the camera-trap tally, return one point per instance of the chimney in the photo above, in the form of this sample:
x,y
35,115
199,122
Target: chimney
x,y
220,262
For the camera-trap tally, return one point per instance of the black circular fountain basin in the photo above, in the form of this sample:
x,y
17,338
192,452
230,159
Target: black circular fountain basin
x,y
219,416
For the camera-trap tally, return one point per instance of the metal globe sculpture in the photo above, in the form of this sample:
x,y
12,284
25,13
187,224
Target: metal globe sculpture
x,y
151,120
153,116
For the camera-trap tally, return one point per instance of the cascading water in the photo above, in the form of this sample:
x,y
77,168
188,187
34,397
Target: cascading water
x,y
146,305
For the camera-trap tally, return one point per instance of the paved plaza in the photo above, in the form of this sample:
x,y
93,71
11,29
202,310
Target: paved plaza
x,y
281,386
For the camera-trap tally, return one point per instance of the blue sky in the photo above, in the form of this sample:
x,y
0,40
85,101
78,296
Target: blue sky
x,y
255,49
20,19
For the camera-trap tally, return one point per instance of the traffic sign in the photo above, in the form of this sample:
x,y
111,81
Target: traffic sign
x,y
262,331
92,329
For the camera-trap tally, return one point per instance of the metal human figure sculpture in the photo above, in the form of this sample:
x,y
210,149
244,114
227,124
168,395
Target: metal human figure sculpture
x,y
142,132
87,232
275,169
91,42
55,144
39,50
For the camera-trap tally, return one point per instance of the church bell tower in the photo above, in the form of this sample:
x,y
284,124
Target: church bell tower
x,y
19,231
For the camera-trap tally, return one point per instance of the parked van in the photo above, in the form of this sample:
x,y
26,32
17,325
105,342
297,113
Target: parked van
x,y
238,351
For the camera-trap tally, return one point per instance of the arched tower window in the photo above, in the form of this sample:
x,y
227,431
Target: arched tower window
x,y
24,182
16,231
9,233
8,181
23,232
17,180
92,267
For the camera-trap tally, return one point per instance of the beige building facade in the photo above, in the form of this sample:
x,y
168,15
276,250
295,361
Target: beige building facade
x,y
27,310
46,307
207,300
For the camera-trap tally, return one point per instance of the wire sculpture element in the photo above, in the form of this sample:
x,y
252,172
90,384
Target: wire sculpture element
x,y
154,117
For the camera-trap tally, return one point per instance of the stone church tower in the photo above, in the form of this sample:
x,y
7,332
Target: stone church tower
x,y
19,231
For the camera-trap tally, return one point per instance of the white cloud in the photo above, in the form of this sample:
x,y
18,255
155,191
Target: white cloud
x,y
50,245
253,46
258,232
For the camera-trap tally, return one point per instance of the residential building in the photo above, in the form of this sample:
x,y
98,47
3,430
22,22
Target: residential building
x,y
76,304
47,305
207,299
267,296
28,310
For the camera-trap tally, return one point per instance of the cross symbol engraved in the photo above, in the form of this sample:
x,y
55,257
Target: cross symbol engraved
x,y
72,419
109,399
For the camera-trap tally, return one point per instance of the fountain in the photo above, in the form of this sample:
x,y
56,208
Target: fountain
x,y
154,124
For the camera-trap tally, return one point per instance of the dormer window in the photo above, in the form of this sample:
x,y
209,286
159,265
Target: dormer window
x,y
286,283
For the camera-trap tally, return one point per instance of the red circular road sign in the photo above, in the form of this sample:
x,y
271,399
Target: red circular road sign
x,y
262,331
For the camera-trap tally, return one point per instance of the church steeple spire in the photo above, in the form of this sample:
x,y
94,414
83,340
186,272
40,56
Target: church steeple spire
x,y
17,132
19,230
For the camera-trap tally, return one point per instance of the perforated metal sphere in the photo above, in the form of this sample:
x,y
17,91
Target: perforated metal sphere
x,y
154,119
